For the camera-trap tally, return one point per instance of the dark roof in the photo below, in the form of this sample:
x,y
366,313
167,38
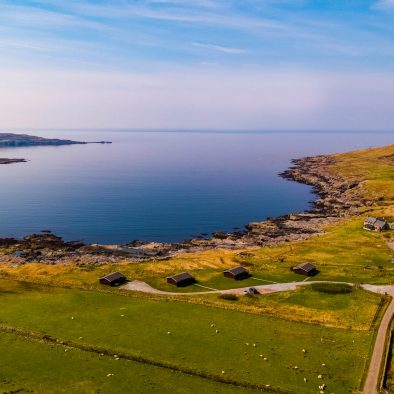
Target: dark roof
x,y
380,223
181,277
237,270
307,267
113,276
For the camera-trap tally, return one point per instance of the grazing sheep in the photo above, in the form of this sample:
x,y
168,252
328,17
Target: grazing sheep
x,y
305,380
217,331
169,333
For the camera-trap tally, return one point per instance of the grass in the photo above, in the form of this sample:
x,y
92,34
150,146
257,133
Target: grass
x,y
332,288
355,310
50,369
193,344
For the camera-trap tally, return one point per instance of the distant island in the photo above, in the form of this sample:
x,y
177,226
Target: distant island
x,y
10,161
20,140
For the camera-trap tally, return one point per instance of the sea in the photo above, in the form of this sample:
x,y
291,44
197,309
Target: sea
x,y
159,185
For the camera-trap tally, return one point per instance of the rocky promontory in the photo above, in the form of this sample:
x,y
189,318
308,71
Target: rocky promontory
x,y
10,161
23,140
13,140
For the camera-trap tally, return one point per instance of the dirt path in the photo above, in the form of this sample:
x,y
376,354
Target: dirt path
x,y
372,381
263,289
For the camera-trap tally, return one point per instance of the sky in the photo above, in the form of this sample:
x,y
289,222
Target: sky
x,y
197,64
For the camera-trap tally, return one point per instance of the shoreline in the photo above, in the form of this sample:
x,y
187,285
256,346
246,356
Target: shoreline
x,y
337,198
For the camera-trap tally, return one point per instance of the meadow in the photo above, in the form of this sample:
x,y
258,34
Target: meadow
x,y
214,344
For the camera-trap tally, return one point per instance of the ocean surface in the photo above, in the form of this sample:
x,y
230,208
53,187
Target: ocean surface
x,y
158,185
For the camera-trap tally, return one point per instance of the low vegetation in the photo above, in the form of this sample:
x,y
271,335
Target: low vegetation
x,y
229,297
332,288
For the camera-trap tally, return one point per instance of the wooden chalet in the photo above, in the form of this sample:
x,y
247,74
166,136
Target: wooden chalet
x,y
181,280
114,279
306,269
237,273
375,224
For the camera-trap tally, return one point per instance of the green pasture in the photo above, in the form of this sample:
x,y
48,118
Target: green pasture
x,y
29,366
242,347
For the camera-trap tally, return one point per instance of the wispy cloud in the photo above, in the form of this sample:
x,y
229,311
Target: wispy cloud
x,y
384,4
220,48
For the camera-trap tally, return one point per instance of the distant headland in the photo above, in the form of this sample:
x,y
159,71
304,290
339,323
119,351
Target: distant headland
x,y
22,140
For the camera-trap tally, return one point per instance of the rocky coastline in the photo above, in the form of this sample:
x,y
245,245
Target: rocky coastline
x,y
337,198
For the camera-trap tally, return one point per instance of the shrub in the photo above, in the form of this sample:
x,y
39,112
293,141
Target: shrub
x,y
229,297
332,288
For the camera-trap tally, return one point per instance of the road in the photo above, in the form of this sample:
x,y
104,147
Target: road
x,y
263,289
372,381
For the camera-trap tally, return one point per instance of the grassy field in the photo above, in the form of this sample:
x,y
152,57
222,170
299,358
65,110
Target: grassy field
x,y
138,328
30,366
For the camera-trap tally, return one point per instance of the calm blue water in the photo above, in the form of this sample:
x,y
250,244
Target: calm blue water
x,y
164,186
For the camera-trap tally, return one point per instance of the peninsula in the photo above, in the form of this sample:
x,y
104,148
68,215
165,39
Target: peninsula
x,y
23,140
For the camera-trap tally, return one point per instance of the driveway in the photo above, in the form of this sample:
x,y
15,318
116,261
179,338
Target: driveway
x,y
372,381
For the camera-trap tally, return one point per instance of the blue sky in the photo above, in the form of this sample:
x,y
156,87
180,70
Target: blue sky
x,y
197,64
